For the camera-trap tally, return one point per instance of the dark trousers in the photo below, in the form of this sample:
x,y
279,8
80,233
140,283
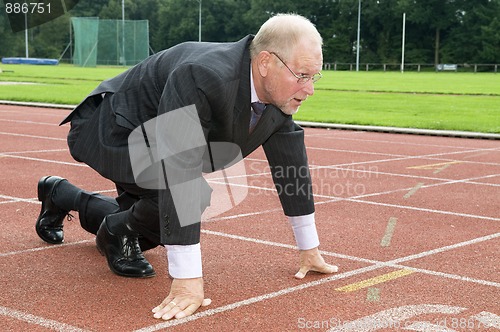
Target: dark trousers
x,y
135,206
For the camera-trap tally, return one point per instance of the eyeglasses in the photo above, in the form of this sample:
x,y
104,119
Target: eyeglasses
x,y
302,79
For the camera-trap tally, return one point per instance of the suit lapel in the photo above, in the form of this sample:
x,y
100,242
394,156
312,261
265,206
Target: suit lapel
x,y
241,118
271,121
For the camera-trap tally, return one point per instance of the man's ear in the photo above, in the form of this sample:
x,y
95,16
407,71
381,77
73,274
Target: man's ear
x,y
263,62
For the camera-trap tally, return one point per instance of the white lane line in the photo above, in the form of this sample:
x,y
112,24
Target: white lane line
x,y
336,199
392,318
46,160
443,183
480,154
33,151
32,319
337,275
242,215
445,248
395,263
313,167
256,299
359,199
31,122
405,207
427,326
376,173
32,136
389,231
413,190
401,158
211,312
488,319
11,199
58,246
400,142
359,152
447,275
265,297
344,169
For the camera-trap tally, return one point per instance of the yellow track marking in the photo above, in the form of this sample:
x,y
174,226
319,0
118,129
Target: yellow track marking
x,y
374,281
436,167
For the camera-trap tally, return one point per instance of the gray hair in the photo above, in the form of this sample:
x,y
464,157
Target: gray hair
x,y
281,33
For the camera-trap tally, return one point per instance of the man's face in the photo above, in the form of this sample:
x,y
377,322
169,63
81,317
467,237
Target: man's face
x,y
281,86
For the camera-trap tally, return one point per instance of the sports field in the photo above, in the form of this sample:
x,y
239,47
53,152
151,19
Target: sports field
x,y
411,221
425,100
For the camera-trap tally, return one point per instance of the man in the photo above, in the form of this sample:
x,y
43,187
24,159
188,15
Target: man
x,y
220,80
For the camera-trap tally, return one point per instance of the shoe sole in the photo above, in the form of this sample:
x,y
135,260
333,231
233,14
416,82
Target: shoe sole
x,y
41,195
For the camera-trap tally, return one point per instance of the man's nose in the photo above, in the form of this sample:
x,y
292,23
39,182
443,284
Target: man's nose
x,y
309,87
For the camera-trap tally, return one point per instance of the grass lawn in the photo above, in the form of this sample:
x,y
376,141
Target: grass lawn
x,y
430,111
428,100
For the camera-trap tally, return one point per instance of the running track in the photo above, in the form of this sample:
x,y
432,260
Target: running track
x,y
413,222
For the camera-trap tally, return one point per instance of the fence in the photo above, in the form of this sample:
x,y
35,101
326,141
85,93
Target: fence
x,y
418,67
109,42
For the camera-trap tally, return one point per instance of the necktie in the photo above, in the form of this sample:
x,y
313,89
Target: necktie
x,y
257,110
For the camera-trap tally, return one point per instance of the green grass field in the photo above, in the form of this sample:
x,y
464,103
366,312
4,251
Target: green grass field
x,y
426,100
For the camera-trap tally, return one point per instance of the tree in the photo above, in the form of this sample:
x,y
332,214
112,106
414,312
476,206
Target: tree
x,y
382,30
448,31
439,15
477,36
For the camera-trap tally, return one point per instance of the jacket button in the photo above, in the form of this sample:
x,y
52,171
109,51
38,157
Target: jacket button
x,y
167,225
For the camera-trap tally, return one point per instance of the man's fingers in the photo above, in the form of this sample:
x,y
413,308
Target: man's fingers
x,y
172,309
302,272
185,297
327,268
166,310
188,311
191,309
331,268
162,305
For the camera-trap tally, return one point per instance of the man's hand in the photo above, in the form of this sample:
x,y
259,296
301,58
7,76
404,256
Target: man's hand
x,y
186,296
311,260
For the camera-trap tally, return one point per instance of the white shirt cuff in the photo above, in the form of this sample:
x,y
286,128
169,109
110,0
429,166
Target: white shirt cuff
x,y
184,262
304,230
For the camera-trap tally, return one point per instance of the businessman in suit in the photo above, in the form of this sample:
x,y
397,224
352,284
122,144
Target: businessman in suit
x,y
222,82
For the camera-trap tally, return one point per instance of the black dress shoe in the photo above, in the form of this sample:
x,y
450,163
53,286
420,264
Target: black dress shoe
x,y
123,253
49,225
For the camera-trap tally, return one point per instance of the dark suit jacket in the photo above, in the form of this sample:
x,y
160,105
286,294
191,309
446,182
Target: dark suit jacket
x,y
216,78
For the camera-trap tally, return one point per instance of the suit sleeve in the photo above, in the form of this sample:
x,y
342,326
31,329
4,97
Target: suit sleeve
x,y
187,193
286,153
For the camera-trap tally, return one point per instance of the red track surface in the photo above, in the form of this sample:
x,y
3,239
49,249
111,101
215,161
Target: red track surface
x,y
413,222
